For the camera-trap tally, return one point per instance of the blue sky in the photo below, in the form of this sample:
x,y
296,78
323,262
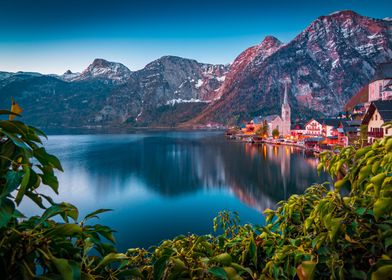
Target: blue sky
x,y
51,36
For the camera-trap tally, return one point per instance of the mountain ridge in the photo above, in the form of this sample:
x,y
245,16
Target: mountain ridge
x,y
333,53
325,65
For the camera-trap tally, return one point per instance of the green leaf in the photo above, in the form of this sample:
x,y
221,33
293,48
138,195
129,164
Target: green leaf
x,y
68,269
37,131
7,112
47,159
240,268
23,185
381,270
112,257
253,250
7,208
387,242
94,214
360,211
159,266
14,128
48,178
64,209
334,227
382,206
105,231
223,259
36,198
305,271
16,140
218,272
64,230
13,180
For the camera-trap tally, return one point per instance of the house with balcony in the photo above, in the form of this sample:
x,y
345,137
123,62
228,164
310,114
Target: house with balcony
x,y
378,113
298,130
313,128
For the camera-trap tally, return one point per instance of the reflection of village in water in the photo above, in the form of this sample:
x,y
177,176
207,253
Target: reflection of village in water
x,y
289,171
174,164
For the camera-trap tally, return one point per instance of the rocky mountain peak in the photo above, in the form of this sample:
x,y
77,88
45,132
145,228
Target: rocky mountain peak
x,y
251,57
100,63
270,42
326,63
107,70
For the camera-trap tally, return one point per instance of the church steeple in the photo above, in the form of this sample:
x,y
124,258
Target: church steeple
x,y
286,112
285,100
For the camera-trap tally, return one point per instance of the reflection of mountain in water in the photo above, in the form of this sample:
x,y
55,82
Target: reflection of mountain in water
x,y
258,175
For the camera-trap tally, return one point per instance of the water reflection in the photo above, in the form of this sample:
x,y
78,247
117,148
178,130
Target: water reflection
x,y
168,183
173,164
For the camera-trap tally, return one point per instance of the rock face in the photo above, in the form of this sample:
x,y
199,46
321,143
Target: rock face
x,y
166,92
163,87
325,65
100,69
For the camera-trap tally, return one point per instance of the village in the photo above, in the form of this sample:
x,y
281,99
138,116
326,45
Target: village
x,y
361,122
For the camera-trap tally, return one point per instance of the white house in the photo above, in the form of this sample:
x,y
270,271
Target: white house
x,y
378,113
314,128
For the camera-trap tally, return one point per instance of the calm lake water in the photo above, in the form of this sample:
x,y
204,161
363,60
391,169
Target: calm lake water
x,y
162,184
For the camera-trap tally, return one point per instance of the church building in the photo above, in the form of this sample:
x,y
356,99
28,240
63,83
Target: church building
x,y
282,122
286,114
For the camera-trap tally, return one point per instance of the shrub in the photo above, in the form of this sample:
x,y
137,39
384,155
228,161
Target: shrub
x,y
340,231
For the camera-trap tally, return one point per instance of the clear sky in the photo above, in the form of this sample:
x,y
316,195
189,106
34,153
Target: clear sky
x,y
51,36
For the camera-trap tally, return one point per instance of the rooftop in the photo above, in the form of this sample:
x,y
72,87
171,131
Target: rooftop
x,y
270,118
384,107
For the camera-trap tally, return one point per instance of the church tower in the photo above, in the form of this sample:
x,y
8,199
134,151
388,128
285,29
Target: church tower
x,y
286,113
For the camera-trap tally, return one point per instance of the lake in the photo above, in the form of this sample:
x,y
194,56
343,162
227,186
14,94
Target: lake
x,y
162,184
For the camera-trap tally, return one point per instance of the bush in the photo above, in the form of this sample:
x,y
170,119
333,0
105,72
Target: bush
x,y
38,245
340,231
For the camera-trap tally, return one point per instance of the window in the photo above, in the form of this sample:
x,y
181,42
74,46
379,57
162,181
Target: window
x,y
375,116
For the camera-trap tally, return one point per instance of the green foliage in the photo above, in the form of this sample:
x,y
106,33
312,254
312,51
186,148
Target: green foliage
x,y
275,133
329,232
39,246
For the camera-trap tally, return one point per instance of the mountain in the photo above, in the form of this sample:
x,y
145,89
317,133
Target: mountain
x,y
166,92
325,65
100,69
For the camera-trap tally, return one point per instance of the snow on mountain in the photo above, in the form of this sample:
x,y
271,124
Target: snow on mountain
x,y
70,76
100,69
325,65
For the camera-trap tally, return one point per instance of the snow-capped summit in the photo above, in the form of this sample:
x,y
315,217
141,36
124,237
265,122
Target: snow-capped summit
x,y
103,69
325,65
69,76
